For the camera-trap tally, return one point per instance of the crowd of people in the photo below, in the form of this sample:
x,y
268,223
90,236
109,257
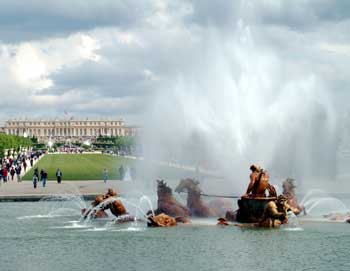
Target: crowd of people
x,y
11,166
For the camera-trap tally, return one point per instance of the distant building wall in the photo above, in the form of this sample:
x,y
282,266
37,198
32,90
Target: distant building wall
x,y
64,130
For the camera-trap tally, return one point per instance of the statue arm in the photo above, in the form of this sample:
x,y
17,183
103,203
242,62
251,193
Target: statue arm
x,y
251,184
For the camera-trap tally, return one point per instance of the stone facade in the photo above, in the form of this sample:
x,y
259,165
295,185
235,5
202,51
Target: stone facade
x,y
68,130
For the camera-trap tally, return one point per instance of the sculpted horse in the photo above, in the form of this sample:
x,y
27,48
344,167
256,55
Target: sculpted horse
x,y
289,192
196,204
103,203
167,204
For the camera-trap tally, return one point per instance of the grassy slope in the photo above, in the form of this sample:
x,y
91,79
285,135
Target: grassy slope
x,y
90,167
80,166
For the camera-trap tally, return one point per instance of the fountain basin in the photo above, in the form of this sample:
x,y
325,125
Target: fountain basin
x,y
250,210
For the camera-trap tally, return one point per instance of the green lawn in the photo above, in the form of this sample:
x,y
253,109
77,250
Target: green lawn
x,y
80,166
90,167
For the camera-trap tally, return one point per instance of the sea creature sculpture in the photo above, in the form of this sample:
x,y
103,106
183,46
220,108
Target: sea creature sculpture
x,y
103,203
161,220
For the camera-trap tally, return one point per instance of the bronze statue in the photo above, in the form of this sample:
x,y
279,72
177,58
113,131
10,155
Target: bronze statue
x,y
115,206
195,203
275,213
167,204
259,183
289,192
161,220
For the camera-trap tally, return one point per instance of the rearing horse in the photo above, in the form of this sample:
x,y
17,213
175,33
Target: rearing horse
x,y
289,192
167,203
195,203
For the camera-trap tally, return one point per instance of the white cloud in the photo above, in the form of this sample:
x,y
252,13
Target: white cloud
x,y
336,48
150,75
31,64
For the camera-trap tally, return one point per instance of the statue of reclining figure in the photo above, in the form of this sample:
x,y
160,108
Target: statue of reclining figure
x,y
275,213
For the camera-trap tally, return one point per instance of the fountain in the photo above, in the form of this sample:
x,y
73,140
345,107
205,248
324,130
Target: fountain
x,y
319,205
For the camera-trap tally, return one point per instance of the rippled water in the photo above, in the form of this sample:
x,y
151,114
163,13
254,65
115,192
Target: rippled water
x,y
31,238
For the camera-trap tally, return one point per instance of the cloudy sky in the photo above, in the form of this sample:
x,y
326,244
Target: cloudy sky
x,y
114,57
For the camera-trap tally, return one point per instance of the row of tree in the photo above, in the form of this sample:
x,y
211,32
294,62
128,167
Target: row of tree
x,y
13,142
118,142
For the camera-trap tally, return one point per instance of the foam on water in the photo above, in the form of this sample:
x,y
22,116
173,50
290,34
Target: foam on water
x,y
97,229
131,229
203,222
292,229
74,224
34,216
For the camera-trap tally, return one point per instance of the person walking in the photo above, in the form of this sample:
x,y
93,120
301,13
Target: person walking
x,y
1,173
36,172
41,175
18,172
59,175
25,166
35,181
12,173
44,177
4,174
105,175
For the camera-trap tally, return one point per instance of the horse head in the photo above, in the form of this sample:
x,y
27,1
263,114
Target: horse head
x,y
289,187
189,185
163,188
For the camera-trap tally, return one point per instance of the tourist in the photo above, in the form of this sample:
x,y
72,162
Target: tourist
x,y
4,174
24,165
41,175
12,173
44,177
121,172
59,175
1,173
35,181
105,175
18,172
36,172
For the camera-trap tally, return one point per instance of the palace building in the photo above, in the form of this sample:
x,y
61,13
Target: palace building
x,y
68,130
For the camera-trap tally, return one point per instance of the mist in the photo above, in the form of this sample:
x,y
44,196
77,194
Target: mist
x,y
237,102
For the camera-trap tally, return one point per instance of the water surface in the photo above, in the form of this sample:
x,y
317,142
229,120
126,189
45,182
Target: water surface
x,y
33,238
